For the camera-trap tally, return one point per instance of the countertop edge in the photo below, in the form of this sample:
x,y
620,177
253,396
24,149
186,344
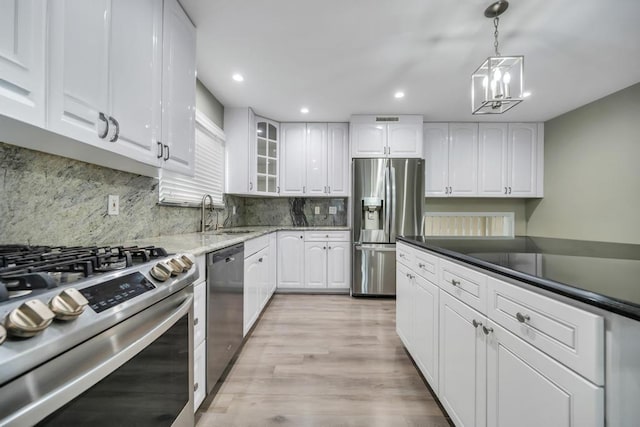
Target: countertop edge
x,y
604,302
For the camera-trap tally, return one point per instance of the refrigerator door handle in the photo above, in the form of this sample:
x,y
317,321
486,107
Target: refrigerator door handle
x,y
377,248
387,200
391,201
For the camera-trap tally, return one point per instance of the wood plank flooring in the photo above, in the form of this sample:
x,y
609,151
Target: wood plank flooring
x,y
316,360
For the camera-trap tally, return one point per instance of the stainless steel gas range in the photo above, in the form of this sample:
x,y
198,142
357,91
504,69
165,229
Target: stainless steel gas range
x,y
96,336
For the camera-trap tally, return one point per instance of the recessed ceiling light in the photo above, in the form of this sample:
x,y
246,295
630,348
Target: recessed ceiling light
x,y
304,110
526,94
398,95
238,77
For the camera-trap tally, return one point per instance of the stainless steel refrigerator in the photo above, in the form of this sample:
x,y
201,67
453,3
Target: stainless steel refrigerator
x,y
387,201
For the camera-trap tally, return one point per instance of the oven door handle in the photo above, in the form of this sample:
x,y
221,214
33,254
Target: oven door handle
x,y
54,384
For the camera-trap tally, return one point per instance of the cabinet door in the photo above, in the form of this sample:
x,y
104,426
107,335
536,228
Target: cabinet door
x,y
338,160
292,174
199,375
199,312
405,139
79,69
267,156
436,154
178,89
315,269
425,329
462,363
404,305
263,284
523,159
339,265
136,77
368,139
291,259
316,159
273,262
525,387
22,47
463,159
252,271
492,159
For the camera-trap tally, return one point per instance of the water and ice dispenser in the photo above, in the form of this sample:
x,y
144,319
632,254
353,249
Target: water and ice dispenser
x,y
372,213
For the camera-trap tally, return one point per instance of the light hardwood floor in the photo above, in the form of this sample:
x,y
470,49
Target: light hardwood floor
x,y
315,360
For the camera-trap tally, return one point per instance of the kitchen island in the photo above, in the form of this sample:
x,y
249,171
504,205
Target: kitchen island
x,y
536,329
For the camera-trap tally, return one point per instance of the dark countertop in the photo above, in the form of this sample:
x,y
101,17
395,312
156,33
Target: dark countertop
x,y
605,275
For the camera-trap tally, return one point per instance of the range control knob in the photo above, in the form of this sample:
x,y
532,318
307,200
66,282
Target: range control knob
x,y
68,304
160,272
186,260
177,265
3,334
31,317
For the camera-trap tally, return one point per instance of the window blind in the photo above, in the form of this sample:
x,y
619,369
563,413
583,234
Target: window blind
x,y
185,190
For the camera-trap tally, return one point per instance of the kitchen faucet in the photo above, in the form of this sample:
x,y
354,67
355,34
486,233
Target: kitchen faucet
x,y
203,223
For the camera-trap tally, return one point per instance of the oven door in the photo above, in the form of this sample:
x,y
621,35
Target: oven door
x,y
139,372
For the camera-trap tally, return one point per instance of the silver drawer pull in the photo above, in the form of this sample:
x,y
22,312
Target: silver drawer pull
x,y
486,330
421,265
476,323
195,321
402,255
455,282
522,318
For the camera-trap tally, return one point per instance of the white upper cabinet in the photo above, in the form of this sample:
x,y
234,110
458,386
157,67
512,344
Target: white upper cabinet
x,y
253,152
292,175
386,136
451,151
22,53
338,160
178,90
510,160
78,106
315,159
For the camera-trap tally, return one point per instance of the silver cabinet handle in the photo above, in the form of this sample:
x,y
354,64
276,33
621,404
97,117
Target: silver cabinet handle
x,y
102,117
329,189
450,190
250,185
486,330
304,188
195,321
195,387
505,190
401,255
324,247
476,323
329,247
302,237
161,150
455,282
421,265
117,125
522,318
167,156
259,259
509,190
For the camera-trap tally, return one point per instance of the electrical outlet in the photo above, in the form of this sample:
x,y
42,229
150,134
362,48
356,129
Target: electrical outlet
x,y
114,205
233,210
317,210
333,210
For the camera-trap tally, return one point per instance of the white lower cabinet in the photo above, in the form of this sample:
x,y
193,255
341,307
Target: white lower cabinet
x,y
338,265
315,271
199,375
526,388
462,370
258,271
514,365
199,334
290,259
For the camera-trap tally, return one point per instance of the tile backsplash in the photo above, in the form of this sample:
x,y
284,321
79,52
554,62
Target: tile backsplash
x,y
47,199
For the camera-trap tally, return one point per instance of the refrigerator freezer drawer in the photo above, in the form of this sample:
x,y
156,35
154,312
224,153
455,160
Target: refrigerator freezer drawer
x,y
374,270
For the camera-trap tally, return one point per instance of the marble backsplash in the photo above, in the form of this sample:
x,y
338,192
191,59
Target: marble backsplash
x,y
47,199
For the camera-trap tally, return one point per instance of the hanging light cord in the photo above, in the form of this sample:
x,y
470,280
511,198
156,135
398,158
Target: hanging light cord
x,y
496,21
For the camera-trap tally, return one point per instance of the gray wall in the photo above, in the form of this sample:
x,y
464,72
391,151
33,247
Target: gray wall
x,y
209,104
517,206
592,173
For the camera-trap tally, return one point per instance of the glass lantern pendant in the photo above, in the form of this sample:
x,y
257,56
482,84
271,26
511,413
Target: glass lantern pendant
x,y
498,84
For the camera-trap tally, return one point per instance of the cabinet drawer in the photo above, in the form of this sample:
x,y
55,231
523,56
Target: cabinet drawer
x,y
199,313
405,255
467,285
254,245
326,236
570,335
426,265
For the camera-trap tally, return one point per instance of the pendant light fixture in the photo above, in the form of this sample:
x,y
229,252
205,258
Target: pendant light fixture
x,y
498,84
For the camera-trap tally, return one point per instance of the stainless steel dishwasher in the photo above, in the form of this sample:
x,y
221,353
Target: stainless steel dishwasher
x,y
225,293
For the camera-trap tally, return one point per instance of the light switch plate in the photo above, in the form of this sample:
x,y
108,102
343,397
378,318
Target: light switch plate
x,y
317,210
114,205
333,210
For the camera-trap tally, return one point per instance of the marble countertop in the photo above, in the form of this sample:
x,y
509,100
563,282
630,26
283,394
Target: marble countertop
x,y
201,243
605,275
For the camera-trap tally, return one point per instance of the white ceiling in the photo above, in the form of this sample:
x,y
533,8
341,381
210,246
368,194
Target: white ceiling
x,y
342,57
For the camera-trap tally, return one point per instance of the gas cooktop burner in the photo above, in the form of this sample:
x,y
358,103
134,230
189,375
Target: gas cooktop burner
x,y
24,270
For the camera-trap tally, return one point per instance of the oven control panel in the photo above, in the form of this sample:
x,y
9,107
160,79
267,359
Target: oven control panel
x,y
116,291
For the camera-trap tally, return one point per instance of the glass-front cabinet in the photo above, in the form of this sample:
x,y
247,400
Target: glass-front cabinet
x,y
267,140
